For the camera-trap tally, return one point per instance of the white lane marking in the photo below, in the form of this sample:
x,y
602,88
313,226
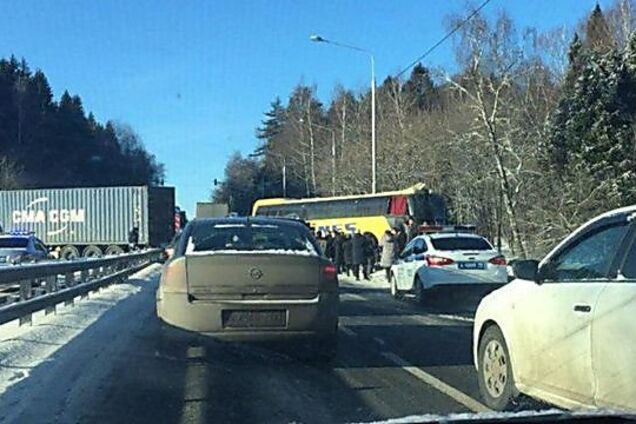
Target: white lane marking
x,y
379,341
456,317
195,387
348,331
352,296
437,384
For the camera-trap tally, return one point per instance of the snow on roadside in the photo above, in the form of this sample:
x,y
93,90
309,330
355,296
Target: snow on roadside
x,y
378,280
22,348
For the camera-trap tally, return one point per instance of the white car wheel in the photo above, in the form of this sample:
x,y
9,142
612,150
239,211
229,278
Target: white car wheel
x,y
395,293
495,372
495,365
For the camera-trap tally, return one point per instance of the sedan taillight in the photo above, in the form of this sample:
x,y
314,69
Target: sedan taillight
x,y
438,261
330,271
498,260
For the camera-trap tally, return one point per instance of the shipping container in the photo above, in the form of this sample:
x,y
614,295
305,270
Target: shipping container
x,y
91,219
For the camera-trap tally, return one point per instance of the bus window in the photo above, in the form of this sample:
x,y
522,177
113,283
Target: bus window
x,y
398,205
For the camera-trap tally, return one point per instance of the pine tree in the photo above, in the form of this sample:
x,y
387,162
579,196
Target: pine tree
x,y
421,89
598,35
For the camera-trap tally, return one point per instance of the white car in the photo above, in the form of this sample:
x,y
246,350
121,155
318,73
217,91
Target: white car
x,y
447,258
564,331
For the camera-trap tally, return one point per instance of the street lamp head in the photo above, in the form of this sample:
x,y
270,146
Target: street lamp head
x,y
316,38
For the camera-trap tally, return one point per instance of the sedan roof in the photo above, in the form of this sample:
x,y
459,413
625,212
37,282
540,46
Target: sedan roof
x,y
449,235
249,220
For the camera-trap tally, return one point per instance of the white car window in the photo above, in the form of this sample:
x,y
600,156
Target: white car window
x,y
628,270
588,258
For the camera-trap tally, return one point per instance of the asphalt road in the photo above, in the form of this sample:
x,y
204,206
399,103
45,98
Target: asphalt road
x,y
395,359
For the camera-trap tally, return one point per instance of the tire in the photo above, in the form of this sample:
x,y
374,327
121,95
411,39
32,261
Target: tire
x,y
92,251
113,249
69,252
418,289
395,292
496,382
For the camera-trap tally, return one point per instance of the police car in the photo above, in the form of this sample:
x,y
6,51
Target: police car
x,y
21,247
449,256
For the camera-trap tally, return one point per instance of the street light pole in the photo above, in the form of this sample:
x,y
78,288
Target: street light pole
x,y
319,39
373,145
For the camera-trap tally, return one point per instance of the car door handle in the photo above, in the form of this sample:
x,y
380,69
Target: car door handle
x,y
582,308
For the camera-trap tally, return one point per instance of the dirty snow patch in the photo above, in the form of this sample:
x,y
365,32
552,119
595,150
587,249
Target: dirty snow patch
x,y
22,348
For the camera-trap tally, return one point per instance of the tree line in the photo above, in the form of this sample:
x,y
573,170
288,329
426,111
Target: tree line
x,y
46,143
530,137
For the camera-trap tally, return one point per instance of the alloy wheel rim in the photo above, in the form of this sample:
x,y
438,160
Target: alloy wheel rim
x,y
495,368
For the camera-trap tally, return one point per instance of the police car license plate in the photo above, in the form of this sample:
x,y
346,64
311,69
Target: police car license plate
x,y
472,265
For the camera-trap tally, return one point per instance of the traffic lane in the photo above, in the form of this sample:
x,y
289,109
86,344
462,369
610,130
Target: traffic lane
x,y
265,382
436,336
440,346
136,370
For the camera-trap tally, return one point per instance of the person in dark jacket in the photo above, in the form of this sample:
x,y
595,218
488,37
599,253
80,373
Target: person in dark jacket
x,y
329,251
133,238
370,255
347,248
410,229
338,253
400,239
358,250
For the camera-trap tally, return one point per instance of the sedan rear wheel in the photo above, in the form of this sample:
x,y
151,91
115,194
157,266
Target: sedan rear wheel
x,y
495,372
395,292
419,291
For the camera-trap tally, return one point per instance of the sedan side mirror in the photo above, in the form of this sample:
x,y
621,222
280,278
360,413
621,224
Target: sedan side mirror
x,y
526,269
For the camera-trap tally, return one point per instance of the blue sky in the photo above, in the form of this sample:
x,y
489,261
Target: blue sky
x,y
194,77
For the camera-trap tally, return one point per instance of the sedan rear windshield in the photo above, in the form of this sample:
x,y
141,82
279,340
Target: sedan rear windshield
x,y
13,242
461,243
263,238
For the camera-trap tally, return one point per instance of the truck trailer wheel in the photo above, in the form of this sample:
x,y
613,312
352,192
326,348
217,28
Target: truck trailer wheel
x,y
92,251
113,249
69,252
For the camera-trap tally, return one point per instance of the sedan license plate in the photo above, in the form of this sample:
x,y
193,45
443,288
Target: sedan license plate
x,y
254,319
472,265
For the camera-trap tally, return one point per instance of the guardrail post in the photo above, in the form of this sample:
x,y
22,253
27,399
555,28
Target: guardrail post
x,y
25,289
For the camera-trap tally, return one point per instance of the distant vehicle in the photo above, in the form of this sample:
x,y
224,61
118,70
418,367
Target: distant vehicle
x,y
91,222
374,213
212,210
447,256
251,279
21,248
564,331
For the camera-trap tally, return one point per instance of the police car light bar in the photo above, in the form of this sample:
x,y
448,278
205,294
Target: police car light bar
x,y
428,229
20,233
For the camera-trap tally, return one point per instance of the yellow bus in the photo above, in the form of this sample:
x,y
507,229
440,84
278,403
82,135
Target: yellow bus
x,y
374,213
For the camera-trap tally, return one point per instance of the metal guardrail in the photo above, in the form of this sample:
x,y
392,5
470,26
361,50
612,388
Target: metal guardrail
x,y
42,286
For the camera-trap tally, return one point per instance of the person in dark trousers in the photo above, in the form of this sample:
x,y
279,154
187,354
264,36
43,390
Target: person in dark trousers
x,y
347,248
358,254
133,238
338,252
371,255
389,252
400,239
329,252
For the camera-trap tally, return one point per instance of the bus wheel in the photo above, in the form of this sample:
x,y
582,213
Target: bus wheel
x,y
92,251
113,249
69,252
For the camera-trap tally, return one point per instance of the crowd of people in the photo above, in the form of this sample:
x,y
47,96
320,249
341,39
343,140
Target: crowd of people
x,y
361,253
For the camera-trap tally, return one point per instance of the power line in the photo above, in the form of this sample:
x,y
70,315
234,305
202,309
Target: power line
x,y
446,37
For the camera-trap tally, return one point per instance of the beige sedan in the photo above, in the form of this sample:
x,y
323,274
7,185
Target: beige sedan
x,y
251,279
